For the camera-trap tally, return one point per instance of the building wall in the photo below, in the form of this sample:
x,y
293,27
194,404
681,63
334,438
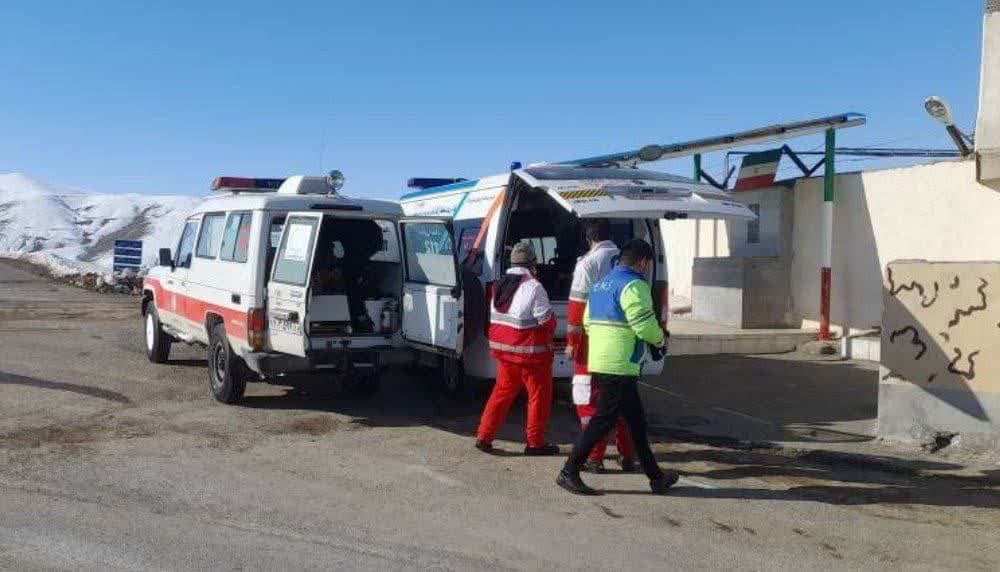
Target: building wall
x,y
932,212
941,353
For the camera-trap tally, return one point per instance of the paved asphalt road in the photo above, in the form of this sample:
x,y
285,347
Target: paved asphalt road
x,y
109,462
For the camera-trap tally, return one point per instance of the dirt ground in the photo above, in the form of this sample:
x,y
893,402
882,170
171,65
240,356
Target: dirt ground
x,y
110,462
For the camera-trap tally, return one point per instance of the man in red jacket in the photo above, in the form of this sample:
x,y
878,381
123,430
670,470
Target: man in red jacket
x,y
520,334
590,269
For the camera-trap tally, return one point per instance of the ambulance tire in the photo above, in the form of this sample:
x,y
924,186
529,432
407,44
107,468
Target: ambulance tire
x,y
227,374
157,341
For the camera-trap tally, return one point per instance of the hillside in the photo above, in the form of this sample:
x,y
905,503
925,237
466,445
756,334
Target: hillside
x,y
70,230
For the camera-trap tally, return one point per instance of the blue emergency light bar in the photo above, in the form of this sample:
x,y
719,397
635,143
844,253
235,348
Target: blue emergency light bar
x,y
430,182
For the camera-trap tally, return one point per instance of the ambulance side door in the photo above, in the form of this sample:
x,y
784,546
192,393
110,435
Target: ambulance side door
x,y
432,290
288,288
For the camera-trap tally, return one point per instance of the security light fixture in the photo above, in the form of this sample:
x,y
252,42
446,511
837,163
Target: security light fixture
x,y
938,109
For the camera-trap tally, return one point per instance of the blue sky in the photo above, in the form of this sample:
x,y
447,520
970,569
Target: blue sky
x,y
160,97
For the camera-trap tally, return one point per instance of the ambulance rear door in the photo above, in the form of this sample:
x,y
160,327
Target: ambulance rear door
x,y
288,289
432,289
613,192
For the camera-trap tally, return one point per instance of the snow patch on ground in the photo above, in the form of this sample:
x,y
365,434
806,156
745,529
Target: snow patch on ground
x,y
72,231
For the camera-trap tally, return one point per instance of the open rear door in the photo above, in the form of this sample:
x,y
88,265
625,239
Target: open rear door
x,y
611,192
288,289
432,293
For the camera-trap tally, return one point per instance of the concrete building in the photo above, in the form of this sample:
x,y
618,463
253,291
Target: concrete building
x,y
915,257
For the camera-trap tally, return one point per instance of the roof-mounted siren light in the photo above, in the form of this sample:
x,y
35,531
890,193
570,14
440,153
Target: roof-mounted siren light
x,y
245,184
335,181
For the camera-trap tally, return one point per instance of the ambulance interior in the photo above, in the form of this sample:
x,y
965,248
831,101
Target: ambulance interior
x,y
356,278
557,236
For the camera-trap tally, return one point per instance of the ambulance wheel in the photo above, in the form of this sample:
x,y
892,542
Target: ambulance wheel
x,y
453,376
157,341
227,374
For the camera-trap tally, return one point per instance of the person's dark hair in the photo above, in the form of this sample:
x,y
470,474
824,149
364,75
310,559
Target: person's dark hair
x,y
597,229
635,251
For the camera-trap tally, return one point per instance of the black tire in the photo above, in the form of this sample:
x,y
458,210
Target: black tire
x,y
452,376
157,341
227,374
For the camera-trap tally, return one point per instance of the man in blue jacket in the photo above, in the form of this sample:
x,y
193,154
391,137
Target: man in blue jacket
x,y
620,322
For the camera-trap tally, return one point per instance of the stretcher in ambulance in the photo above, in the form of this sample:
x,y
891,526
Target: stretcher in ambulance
x,y
545,205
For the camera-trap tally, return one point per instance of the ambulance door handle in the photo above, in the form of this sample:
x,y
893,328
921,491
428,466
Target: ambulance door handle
x,y
170,282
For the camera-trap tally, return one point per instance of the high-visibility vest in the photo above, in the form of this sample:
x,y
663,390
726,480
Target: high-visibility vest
x,y
620,321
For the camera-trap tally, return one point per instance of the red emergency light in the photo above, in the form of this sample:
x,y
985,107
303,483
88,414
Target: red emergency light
x,y
245,184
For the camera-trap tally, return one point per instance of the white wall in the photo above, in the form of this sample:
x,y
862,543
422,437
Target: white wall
x,y
681,238
934,212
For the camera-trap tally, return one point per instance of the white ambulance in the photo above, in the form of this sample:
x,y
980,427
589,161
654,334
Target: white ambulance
x,y
282,276
544,205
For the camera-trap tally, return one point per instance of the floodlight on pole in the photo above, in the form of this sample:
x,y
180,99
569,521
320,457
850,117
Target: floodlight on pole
x,y
939,110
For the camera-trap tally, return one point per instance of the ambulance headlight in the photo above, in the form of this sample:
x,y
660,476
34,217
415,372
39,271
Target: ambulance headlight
x,y
335,180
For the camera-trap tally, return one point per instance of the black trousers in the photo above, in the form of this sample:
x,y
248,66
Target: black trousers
x,y
618,397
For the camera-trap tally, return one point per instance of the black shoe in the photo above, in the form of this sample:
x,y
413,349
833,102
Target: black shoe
x,y
574,484
484,446
660,485
546,450
596,467
628,465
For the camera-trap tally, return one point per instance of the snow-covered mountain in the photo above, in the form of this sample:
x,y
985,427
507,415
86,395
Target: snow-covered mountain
x,y
70,230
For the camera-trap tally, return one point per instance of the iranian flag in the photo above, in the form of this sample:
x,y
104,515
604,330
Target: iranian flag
x,y
758,170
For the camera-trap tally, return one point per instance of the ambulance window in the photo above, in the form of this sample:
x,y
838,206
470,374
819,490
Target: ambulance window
x,y
273,238
236,237
430,254
467,231
211,235
292,261
186,244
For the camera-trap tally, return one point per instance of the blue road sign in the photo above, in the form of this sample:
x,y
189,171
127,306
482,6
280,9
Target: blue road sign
x,y
128,254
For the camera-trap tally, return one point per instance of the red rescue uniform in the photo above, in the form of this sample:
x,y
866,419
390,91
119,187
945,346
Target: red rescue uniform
x,y
520,335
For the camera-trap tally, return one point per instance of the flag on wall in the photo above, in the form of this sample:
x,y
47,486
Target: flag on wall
x,y
758,170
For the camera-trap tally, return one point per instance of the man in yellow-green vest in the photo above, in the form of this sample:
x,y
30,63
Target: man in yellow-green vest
x,y
620,323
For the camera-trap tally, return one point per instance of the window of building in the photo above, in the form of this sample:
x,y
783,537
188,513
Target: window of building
x,y
211,235
236,237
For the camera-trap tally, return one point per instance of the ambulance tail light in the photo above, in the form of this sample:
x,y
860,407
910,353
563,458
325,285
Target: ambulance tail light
x,y
256,328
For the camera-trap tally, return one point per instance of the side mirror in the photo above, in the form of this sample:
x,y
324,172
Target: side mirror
x,y
165,258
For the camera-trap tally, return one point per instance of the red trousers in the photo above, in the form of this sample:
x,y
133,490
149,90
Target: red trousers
x,y
622,438
511,377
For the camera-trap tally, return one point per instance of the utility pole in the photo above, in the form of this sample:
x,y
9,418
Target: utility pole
x,y
827,244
